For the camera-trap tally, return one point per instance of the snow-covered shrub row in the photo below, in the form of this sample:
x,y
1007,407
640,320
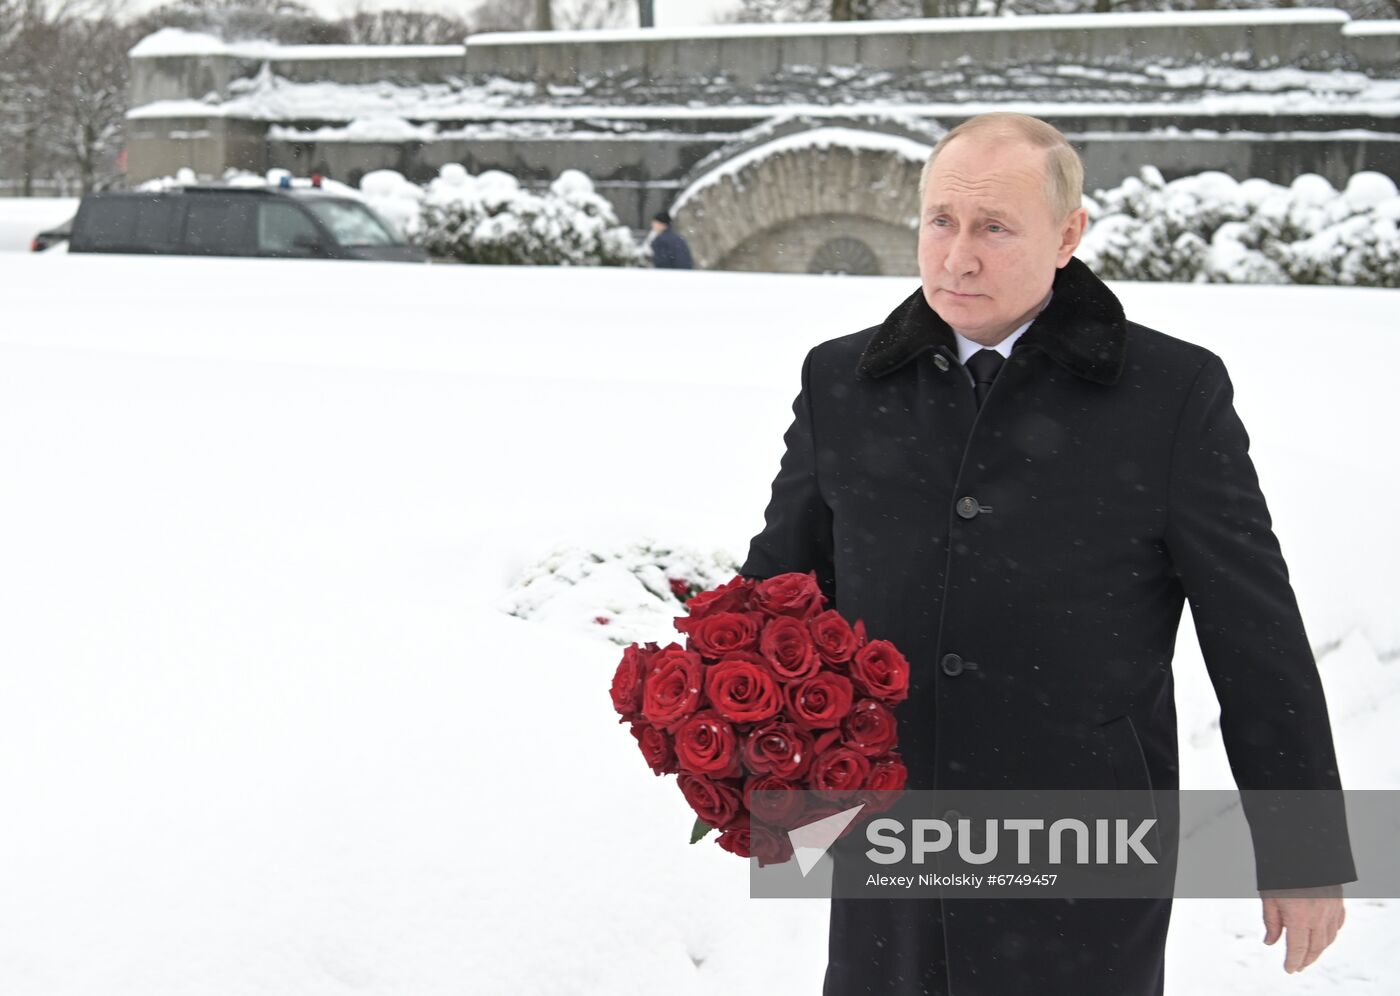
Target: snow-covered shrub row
x,y
1210,228
491,219
624,593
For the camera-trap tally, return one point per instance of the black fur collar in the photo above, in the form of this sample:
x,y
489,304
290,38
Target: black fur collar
x,y
1082,329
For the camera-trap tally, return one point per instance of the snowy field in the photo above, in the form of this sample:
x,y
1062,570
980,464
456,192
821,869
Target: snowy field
x,y
266,728
22,218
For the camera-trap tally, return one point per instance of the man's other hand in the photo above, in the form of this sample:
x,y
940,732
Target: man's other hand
x,y
1311,918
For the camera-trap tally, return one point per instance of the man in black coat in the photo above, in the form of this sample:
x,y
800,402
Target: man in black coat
x,y
668,250
1021,488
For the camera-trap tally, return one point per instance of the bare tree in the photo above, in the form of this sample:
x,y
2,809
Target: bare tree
x,y
402,27
502,15
30,43
768,11
586,15
88,90
286,21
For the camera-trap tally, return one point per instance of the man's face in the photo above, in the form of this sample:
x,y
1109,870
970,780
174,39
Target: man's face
x,y
989,240
657,226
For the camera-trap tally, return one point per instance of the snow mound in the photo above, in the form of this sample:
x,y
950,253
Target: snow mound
x,y
493,218
626,594
1208,228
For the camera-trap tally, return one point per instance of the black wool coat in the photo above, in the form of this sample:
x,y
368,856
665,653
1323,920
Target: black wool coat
x,y
670,252
1031,558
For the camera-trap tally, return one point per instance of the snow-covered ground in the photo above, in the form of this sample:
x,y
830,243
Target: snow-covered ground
x,y
265,726
22,218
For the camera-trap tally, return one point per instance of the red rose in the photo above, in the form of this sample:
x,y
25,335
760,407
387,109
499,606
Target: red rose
x,y
881,671
774,801
672,688
769,848
732,596
824,740
778,748
656,748
756,659
870,728
886,780
839,771
887,774
707,745
735,842
834,639
823,810
627,682
787,645
742,692
821,701
791,594
718,805
724,633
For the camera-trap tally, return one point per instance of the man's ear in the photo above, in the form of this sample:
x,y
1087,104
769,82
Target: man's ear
x,y
1071,234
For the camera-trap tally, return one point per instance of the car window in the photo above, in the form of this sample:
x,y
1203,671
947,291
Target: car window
x,y
220,225
110,222
155,223
352,224
280,225
129,223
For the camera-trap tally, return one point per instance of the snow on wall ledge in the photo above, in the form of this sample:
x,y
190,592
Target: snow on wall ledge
x,y
174,42
1363,28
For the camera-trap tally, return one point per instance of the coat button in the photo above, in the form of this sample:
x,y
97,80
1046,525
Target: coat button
x,y
952,665
968,507
940,361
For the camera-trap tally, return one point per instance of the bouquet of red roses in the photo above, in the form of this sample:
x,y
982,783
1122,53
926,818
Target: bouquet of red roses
x,y
774,714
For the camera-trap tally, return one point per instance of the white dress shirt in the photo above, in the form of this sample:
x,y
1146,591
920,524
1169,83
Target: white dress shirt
x,y
966,346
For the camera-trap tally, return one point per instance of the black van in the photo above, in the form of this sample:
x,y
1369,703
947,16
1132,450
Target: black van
x,y
304,223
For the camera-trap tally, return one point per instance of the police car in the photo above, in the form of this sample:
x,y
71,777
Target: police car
x,y
282,220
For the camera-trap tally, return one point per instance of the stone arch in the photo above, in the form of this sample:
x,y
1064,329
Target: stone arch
x,y
845,254
784,200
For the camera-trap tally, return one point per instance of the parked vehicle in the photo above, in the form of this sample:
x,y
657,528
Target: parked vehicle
x,y
52,236
286,222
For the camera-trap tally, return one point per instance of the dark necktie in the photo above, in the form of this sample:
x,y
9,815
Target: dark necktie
x,y
984,365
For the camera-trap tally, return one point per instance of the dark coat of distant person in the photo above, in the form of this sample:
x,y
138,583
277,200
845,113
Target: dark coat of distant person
x,y
669,251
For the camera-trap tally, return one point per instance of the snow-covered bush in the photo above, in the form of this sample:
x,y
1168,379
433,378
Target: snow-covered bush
x,y
395,199
1209,228
624,593
491,219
